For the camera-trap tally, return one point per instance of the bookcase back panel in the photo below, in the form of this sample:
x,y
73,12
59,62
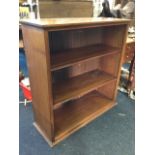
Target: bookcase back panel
x,y
108,64
75,70
75,38
68,39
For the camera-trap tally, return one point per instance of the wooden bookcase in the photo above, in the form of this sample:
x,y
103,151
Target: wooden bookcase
x,y
74,68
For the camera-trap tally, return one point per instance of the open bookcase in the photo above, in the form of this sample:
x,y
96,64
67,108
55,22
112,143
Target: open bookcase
x,y
74,68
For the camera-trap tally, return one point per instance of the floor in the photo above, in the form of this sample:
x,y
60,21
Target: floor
x,y
110,134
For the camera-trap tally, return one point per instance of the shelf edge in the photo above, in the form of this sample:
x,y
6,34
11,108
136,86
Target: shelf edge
x,y
57,105
83,60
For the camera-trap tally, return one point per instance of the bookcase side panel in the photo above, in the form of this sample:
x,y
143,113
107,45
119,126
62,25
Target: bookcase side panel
x,y
116,37
38,62
124,38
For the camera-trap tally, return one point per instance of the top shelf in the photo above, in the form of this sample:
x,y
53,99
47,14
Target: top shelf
x,y
72,56
67,22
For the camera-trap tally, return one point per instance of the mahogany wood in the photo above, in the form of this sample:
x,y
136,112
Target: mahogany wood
x,y
63,23
73,56
79,85
77,38
37,54
108,90
117,33
77,113
110,64
21,45
74,68
84,67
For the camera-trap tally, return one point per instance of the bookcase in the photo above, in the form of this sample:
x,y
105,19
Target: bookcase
x,y
74,69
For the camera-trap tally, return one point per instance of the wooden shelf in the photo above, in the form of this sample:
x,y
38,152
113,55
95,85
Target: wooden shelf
x,y
77,113
79,85
66,58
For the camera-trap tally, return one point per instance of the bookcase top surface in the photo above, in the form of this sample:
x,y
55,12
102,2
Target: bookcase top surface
x,y
62,22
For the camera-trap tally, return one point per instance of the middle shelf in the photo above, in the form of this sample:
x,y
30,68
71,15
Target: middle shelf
x,y
75,87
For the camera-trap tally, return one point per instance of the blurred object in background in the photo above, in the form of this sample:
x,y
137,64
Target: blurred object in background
x,y
97,6
24,11
27,9
125,9
131,32
21,75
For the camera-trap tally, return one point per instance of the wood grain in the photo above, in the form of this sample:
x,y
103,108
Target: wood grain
x,y
69,57
21,45
110,64
108,90
117,33
79,85
37,55
75,70
85,56
43,134
78,113
84,67
71,39
73,22
123,45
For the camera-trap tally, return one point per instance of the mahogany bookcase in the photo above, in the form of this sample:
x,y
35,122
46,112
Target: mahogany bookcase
x,y
74,69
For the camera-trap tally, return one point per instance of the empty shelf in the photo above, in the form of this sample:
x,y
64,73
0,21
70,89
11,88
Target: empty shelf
x,y
77,113
66,58
74,87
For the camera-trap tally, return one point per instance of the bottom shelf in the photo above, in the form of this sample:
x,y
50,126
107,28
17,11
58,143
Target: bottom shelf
x,y
77,113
